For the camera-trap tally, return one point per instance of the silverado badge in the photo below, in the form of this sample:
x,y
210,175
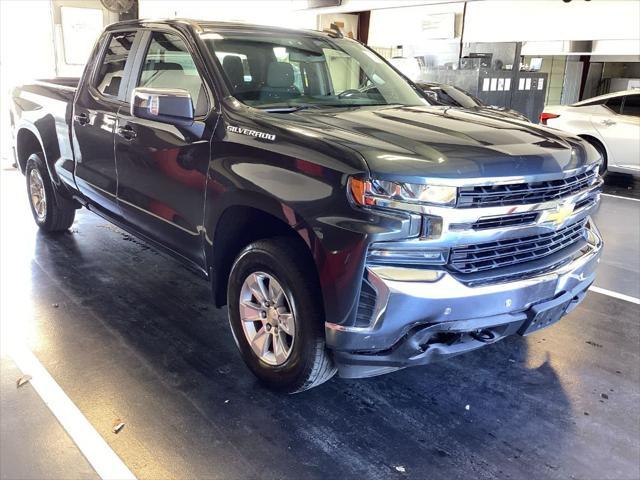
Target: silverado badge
x,y
251,133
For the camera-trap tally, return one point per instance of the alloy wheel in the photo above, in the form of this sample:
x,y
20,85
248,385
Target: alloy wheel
x,y
37,194
267,317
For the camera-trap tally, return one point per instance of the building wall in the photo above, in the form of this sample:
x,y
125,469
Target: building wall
x,y
554,66
500,21
283,13
25,53
391,27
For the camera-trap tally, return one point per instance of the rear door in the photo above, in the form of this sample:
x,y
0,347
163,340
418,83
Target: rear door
x,y
102,94
619,127
161,167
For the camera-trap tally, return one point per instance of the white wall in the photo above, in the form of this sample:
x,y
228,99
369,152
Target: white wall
x,y
399,22
26,52
500,21
26,41
282,13
364,5
403,26
617,47
545,25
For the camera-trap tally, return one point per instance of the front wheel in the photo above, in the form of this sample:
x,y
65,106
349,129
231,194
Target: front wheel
x,y
275,313
49,216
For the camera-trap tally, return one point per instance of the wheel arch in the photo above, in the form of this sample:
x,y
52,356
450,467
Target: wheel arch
x,y
28,142
239,225
599,145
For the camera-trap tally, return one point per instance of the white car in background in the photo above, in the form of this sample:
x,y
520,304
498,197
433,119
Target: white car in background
x,y
611,123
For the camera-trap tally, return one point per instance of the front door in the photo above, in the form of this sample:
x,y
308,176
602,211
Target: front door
x,y
162,168
102,94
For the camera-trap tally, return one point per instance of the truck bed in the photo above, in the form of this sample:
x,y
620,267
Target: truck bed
x,y
47,103
60,89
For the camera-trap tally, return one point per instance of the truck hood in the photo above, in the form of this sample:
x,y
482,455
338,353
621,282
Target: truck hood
x,y
447,143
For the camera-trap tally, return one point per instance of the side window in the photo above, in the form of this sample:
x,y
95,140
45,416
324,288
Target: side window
x,y
632,105
615,104
111,73
168,64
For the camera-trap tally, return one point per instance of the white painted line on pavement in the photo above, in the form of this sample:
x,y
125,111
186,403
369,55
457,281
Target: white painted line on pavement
x,y
621,296
102,458
620,196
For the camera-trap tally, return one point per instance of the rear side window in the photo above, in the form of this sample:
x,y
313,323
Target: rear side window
x,y
632,106
236,68
111,74
168,64
615,104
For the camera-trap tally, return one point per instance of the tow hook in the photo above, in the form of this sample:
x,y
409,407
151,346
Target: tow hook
x,y
484,336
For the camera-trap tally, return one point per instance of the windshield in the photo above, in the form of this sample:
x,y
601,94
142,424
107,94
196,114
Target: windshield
x,y
303,70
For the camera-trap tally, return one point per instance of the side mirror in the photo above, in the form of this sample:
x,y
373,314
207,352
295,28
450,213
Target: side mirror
x,y
167,105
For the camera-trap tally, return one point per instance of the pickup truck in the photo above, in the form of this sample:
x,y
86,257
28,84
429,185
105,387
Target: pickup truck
x,y
348,226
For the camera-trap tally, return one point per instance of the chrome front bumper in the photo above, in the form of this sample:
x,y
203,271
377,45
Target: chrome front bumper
x,y
413,305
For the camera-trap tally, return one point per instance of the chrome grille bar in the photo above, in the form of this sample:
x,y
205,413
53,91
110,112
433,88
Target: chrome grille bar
x,y
486,256
524,193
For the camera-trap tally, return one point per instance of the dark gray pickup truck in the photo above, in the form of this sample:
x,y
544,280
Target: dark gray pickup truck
x,y
348,225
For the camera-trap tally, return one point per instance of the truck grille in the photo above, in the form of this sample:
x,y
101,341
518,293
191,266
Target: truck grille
x,y
524,193
486,256
501,221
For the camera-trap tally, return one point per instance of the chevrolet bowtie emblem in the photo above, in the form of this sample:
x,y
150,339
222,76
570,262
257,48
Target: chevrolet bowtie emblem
x,y
559,214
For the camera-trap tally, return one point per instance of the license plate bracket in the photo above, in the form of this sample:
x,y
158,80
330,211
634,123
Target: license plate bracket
x,y
544,314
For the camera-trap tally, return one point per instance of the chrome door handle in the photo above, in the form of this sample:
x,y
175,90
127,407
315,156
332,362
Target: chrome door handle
x,y
81,119
127,132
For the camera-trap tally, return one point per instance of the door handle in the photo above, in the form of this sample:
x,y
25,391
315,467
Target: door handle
x,y
127,132
81,118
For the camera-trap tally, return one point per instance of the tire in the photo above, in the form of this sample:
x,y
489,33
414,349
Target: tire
x,y
602,151
279,262
48,214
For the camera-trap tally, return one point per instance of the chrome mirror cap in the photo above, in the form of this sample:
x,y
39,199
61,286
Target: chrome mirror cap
x,y
167,105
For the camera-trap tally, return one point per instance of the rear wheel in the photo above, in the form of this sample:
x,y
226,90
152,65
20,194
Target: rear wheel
x,y
275,313
49,216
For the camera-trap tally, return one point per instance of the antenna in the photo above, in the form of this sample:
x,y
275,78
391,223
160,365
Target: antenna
x,y
334,31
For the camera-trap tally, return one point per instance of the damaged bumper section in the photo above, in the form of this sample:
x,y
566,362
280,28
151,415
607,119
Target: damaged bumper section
x,y
422,315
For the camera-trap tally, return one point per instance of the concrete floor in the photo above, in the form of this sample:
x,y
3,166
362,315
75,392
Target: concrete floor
x,y
129,333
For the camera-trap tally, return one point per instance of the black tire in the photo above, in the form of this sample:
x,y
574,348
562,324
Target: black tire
x,y
309,363
602,151
56,218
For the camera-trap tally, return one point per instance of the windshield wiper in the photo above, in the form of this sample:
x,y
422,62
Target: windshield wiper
x,y
305,106
289,108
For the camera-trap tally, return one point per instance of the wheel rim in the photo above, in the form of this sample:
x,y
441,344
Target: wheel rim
x,y
268,320
37,194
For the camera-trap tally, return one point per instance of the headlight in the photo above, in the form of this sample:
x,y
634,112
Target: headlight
x,y
380,192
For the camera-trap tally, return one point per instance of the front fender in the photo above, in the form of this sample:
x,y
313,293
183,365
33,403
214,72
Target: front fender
x,y
312,202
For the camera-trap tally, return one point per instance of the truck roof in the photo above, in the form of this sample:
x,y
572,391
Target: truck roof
x,y
198,25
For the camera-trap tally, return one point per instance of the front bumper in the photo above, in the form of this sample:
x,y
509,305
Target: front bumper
x,y
422,315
